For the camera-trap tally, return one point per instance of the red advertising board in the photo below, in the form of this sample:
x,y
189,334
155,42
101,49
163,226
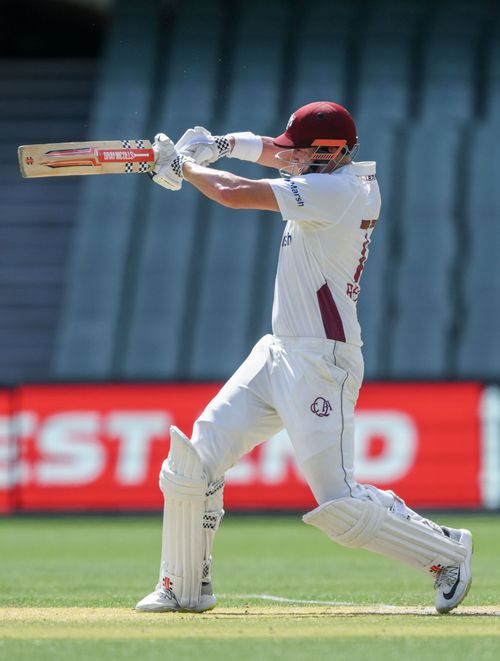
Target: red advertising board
x,y
422,441
7,452
100,447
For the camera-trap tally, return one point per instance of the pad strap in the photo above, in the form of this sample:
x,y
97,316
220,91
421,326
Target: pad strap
x,y
211,522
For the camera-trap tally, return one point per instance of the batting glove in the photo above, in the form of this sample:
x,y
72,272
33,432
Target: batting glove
x,y
203,147
168,163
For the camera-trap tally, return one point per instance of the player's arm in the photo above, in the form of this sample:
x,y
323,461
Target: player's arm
x,y
229,189
205,148
269,151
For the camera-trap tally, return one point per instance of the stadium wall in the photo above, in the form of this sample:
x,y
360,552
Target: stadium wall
x,y
84,448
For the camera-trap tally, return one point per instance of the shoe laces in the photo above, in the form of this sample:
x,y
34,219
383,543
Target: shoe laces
x,y
447,576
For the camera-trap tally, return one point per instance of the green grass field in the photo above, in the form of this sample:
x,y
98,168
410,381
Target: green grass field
x,y
68,587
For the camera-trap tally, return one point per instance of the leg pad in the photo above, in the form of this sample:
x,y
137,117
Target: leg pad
x,y
363,523
184,485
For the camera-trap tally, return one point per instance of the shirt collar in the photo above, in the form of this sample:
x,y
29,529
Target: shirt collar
x,y
364,168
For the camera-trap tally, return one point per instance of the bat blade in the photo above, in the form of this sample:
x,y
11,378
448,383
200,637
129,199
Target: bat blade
x,y
81,158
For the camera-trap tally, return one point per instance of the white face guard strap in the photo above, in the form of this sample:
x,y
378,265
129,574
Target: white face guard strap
x,y
323,156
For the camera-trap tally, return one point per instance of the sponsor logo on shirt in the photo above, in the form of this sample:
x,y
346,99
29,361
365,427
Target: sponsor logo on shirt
x,y
295,192
286,240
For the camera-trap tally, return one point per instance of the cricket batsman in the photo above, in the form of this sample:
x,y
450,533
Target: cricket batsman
x,y
306,376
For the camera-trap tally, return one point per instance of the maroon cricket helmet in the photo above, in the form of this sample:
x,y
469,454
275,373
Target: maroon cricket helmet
x,y
322,123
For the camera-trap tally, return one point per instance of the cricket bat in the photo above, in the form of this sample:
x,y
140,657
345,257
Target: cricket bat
x,y
98,157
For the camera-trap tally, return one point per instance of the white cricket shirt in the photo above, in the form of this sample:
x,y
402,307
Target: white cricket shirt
x,y
329,222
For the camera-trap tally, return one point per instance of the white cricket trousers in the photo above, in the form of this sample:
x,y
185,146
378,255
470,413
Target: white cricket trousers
x,y
307,385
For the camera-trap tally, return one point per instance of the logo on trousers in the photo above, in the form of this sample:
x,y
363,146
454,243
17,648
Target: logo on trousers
x,y
321,407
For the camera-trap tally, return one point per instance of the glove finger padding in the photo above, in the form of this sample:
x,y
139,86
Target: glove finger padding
x,y
169,162
163,148
203,147
202,154
196,134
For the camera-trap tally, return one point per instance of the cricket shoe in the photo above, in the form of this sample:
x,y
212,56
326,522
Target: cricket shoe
x,y
162,600
453,583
